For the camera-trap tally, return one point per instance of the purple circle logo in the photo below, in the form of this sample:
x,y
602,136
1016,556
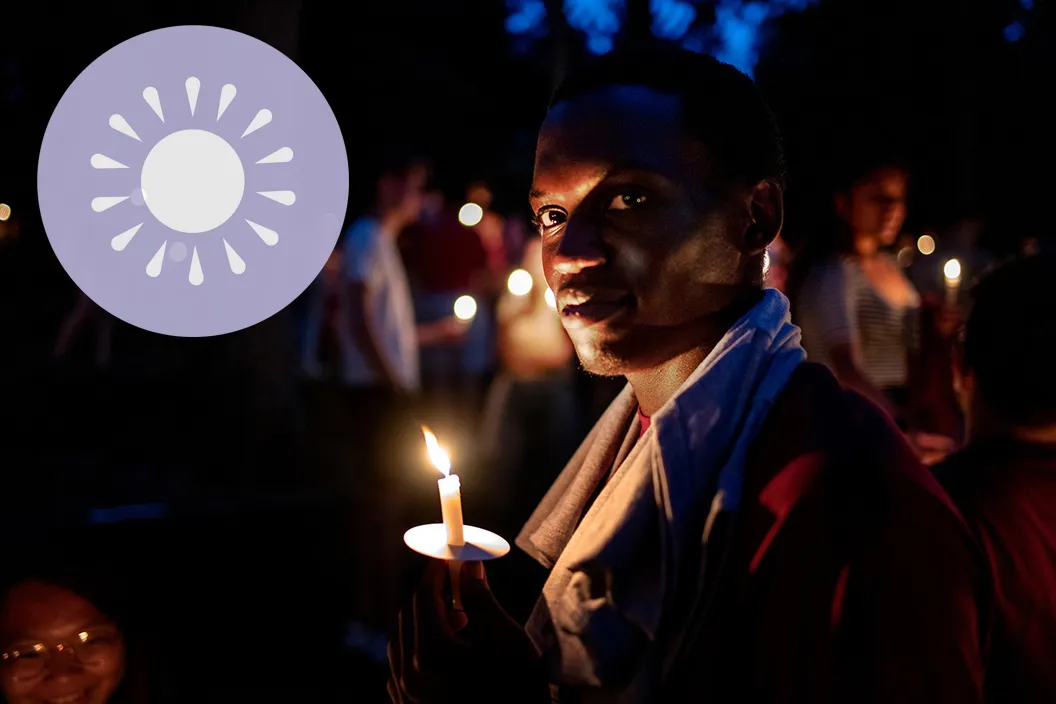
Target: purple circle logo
x,y
193,181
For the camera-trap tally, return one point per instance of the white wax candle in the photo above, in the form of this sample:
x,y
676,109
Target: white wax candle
x,y
451,508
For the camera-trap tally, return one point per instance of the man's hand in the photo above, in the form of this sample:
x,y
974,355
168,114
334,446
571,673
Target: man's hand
x,y
477,655
447,331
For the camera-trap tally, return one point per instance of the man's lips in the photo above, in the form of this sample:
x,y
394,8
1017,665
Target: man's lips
x,y
585,306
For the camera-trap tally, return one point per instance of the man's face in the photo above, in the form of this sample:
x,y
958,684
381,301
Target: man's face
x,y
639,236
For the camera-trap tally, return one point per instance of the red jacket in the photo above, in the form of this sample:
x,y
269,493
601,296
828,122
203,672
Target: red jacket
x,y
848,576
1007,492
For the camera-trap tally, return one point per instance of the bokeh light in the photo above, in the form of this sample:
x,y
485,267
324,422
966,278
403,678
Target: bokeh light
x,y
470,214
520,283
551,299
465,308
926,244
5,211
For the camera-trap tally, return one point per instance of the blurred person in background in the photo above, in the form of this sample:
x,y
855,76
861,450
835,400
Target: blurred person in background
x,y
934,411
859,313
530,421
372,430
446,259
68,635
855,306
1004,481
491,229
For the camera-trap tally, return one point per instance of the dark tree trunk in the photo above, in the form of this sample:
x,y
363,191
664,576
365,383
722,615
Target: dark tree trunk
x,y
560,38
638,25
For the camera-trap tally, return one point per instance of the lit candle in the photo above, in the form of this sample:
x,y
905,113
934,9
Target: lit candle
x,y
450,509
450,490
952,271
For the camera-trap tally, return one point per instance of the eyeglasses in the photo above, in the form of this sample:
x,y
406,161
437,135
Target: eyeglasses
x,y
90,647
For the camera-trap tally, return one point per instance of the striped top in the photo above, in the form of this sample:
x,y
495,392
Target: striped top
x,y
839,305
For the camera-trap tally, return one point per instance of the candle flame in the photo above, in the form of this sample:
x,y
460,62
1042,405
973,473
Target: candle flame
x,y
437,455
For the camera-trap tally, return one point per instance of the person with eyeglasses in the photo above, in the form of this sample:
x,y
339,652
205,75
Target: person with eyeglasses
x,y
58,646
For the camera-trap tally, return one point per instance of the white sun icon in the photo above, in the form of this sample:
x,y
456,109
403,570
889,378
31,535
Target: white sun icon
x,y
192,181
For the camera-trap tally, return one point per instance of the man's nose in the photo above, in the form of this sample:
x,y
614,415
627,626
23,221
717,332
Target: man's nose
x,y
581,247
64,663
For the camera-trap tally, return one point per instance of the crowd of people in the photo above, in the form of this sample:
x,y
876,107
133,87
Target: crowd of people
x,y
806,479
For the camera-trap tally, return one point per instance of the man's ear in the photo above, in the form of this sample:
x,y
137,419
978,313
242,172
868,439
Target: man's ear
x,y
766,216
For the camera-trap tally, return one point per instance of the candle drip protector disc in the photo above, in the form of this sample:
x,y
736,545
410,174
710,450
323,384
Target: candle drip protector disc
x,y
431,540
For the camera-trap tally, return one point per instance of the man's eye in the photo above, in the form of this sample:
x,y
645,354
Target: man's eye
x,y
626,201
550,218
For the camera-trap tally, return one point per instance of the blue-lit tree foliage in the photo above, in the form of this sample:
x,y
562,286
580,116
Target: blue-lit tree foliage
x,y
728,29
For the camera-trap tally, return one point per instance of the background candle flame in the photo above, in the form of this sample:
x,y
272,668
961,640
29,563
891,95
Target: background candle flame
x,y
437,455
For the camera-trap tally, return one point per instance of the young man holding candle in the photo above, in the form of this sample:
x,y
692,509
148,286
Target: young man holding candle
x,y
737,527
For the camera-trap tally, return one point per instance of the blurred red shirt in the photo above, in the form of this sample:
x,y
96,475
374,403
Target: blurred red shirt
x,y
443,255
1007,493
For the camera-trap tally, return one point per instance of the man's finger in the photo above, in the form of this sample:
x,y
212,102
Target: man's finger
x,y
434,638
394,692
394,649
486,617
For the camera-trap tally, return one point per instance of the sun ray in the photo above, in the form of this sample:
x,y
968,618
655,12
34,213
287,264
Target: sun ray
x,y
150,94
120,124
262,118
154,265
279,156
101,161
269,236
106,202
122,240
233,260
284,197
196,277
193,85
227,94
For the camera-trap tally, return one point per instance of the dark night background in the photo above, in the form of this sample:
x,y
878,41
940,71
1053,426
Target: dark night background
x,y
235,532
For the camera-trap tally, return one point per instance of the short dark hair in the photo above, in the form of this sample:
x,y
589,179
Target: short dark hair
x,y
722,106
1010,340
865,159
400,160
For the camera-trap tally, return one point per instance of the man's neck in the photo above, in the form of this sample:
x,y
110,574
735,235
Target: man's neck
x,y
657,385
